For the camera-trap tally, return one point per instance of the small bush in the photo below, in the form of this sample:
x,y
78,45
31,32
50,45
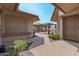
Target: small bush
x,y
53,36
19,45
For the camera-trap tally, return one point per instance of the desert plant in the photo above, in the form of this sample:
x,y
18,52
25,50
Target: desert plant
x,y
19,45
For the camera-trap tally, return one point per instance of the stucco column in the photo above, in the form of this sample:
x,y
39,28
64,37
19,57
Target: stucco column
x,y
30,26
61,24
60,28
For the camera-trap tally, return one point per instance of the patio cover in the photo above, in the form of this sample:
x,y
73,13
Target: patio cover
x,y
67,8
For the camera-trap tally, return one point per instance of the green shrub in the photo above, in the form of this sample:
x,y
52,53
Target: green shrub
x,y
53,36
19,45
50,36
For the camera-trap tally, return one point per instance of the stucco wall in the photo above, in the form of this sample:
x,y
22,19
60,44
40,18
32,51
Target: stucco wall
x,y
14,24
30,26
0,31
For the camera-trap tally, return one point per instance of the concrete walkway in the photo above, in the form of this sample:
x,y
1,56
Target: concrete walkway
x,y
56,48
45,36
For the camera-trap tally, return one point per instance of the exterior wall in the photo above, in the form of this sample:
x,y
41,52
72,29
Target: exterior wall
x,y
36,28
40,28
29,26
14,24
71,27
0,31
3,23
14,21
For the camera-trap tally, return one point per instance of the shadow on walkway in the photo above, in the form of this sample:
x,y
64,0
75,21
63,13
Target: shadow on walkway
x,y
37,41
74,43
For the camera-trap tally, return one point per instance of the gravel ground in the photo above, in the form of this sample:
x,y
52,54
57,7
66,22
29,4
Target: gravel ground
x,y
36,41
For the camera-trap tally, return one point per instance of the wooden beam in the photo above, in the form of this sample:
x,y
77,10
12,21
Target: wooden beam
x,y
53,14
58,7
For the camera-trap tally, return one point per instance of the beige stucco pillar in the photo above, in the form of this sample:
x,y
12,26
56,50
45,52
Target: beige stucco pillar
x,y
30,26
60,27
60,24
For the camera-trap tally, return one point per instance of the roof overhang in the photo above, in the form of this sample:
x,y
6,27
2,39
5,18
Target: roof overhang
x,y
67,8
71,14
12,9
55,15
9,6
23,15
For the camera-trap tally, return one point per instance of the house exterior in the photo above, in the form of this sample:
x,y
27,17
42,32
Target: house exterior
x,y
44,27
14,22
40,27
67,17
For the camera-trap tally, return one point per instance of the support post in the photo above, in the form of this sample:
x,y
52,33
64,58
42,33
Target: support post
x,y
49,28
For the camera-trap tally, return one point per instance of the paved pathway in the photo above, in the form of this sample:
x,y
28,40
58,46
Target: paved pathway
x,y
45,36
56,48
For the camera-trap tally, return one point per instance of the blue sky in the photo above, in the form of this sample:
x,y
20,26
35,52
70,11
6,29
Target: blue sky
x,y
43,10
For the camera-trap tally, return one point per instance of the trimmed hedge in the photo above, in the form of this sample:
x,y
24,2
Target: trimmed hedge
x,y
53,36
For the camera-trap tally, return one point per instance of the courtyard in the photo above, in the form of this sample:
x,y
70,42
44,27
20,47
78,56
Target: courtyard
x,y
52,48
56,32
